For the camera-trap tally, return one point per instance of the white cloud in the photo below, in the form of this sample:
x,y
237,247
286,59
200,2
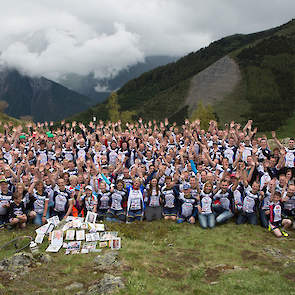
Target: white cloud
x,y
53,38
101,88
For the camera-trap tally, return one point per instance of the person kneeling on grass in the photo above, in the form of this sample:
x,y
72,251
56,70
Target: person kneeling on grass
x,y
116,212
187,206
249,205
103,198
16,212
169,199
5,199
205,210
135,204
88,201
62,201
153,210
40,200
275,219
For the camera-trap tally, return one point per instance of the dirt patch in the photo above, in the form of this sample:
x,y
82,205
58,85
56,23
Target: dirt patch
x,y
249,255
126,268
186,256
181,255
4,277
261,260
212,274
163,273
290,277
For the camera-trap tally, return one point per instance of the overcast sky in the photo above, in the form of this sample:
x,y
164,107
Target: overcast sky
x,y
55,37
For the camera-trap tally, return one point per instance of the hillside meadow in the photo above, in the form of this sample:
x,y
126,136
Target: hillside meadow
x,y
165,257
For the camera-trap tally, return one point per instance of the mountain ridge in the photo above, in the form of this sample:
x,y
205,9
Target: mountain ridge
x,y
40,98
163,91
100,89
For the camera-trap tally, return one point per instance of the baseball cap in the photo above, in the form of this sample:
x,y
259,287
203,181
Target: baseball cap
x,y
3,180
186,186
88,187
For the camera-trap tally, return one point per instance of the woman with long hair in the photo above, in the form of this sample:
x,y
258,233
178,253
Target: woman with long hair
x,y
205,212
41,199
153,209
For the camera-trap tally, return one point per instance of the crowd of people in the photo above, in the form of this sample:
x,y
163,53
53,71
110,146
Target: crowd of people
x,y
146,171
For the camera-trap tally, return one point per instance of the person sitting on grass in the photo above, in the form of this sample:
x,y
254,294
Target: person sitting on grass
x,y
187,206
275,219
16,212
205,210
224,202
289,203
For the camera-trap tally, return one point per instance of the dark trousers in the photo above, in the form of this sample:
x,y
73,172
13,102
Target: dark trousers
x,y
243,217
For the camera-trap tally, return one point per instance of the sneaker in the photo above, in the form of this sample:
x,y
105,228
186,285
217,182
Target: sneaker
x,y
269,228
284,233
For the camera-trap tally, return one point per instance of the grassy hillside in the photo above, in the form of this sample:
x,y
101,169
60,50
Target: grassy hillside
x,y
267,89
4,119
164,257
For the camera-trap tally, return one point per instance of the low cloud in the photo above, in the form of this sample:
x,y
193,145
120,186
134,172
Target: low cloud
x,y
101,88
104,55
57,37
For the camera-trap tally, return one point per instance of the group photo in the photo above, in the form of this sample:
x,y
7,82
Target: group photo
x,y
147,147
145,172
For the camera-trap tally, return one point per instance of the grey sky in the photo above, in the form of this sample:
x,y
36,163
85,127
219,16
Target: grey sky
x,y
55,37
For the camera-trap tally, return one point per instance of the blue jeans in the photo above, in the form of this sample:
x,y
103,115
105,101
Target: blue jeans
x,y
206,220
263,218
38,218
133,215
182,219
251,218
115,215
224,216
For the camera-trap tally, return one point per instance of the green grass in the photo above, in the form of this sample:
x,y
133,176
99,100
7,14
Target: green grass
x,y
164,257
288,129
4,119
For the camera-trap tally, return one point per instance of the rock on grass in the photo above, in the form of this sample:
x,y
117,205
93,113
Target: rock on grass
x,y
107,260
107,285
74,286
